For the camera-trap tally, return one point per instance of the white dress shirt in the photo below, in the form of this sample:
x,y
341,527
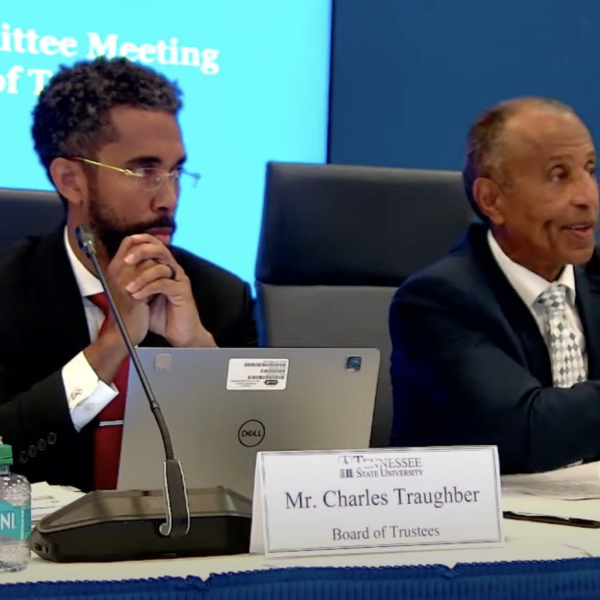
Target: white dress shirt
x,y
86,394
529,286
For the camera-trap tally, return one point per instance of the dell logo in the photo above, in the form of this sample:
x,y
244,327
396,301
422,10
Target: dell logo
x,y
251,433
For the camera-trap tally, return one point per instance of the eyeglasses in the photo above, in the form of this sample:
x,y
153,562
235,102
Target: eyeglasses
x,y
151,179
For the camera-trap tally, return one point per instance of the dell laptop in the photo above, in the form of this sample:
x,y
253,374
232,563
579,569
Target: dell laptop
x,y
223,406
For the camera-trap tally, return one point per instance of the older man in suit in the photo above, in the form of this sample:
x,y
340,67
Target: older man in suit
x,y
499,342
107,134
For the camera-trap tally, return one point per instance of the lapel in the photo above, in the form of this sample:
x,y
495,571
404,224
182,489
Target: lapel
x,y
505,304
57,301
588,305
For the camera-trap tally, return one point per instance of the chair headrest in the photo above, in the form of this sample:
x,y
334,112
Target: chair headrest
x,y
25,213
347,225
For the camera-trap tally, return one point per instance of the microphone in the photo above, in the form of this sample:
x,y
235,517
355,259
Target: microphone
x,y
175,494
110,525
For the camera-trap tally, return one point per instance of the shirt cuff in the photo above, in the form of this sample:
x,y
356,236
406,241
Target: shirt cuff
x,y
86,394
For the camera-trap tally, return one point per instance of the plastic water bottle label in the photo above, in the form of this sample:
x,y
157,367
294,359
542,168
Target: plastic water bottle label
x,y
15,521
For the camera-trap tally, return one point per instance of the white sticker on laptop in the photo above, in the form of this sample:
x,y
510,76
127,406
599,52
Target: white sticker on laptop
x,y
257,374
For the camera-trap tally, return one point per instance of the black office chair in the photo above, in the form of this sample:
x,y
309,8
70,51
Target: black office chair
x,y
336,242
25,213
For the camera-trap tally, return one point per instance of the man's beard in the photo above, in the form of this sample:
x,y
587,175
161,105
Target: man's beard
x,y
111,231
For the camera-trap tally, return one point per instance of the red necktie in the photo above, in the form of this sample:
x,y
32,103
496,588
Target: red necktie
x,y
108,436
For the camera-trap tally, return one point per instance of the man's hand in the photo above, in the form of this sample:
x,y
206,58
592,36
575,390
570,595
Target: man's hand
x,y
106,354
167,290
120,274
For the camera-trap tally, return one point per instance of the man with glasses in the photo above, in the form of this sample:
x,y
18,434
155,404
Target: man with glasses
x,y
107,134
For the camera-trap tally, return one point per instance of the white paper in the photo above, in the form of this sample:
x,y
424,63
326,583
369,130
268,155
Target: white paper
x,y
47,499
367,501
572,483
265,374
527,503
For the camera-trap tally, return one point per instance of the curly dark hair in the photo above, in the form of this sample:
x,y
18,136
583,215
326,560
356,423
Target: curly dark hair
x,y
72,116
484,143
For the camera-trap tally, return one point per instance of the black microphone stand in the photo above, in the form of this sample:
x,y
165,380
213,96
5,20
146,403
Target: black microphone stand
x,y
175,494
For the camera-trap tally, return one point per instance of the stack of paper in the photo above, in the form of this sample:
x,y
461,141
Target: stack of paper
x,y
571,493
47,499
572,483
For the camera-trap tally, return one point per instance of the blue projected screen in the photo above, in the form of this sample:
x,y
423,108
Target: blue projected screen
x,y
255,77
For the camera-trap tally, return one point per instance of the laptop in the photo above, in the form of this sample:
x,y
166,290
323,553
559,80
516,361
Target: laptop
x,y
223,406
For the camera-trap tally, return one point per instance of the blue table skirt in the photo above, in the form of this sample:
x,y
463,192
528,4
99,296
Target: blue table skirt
x,y
565,579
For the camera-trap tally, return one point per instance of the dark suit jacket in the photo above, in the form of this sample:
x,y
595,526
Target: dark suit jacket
x,y
43,326
470,366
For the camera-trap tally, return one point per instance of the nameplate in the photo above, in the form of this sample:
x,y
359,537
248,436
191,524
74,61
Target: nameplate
x,y
348,502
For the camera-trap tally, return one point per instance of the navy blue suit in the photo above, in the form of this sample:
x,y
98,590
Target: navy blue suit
x,y
470,366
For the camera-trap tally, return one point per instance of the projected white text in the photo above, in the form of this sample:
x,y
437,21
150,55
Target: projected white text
x,y
28,42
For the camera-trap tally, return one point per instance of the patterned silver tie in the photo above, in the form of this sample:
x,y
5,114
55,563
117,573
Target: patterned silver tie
x,y
566,357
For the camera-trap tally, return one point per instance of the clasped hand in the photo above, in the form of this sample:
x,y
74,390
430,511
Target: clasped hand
x,y
154,294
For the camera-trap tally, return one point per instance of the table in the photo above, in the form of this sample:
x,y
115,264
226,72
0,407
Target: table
x,y
537,561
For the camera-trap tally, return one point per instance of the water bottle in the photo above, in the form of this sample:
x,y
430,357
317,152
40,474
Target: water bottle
x,y
15,515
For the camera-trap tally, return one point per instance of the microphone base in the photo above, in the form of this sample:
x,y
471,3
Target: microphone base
x,y
110,526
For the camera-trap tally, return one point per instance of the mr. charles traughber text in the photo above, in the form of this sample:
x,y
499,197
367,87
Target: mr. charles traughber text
x,y
400,496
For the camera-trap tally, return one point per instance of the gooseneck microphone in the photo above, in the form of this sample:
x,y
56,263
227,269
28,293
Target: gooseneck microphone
x,y
113,525
176,502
